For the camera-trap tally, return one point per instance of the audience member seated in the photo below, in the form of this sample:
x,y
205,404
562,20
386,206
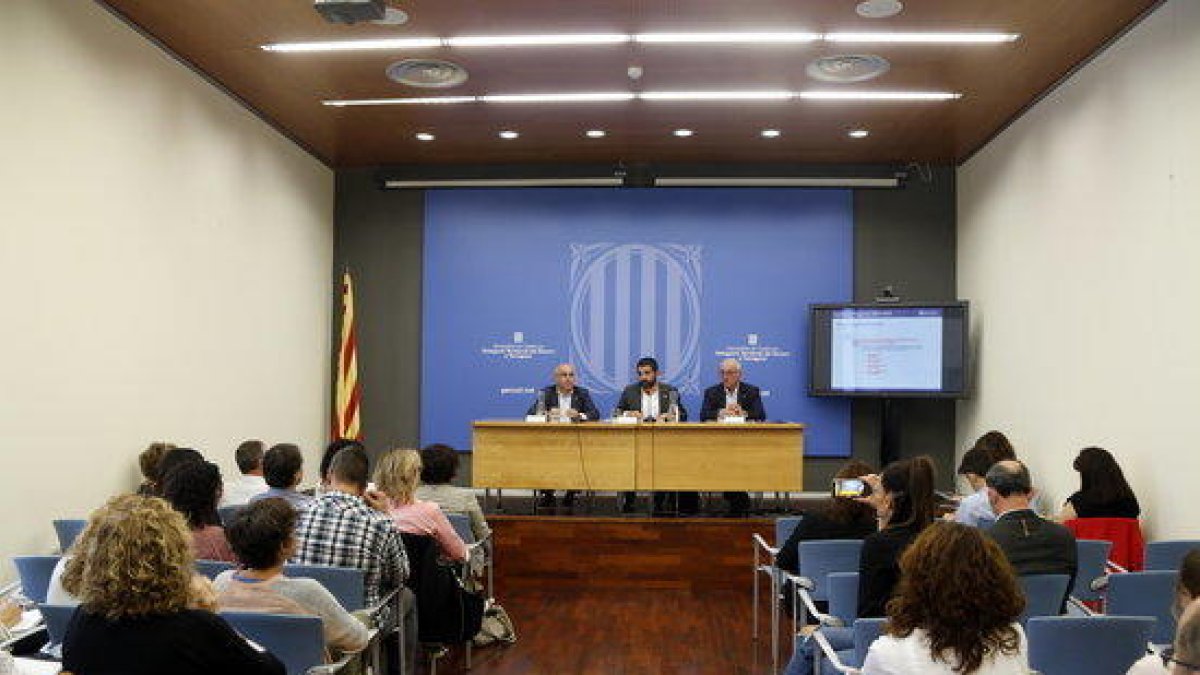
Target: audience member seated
x,y
148,463
249,458
263,537
955,610
842,518
194,488
991,447
347,527
144,612
331,450
283,469
439,464
170,459
396,475
1032,544
1103,490
1187,589
903,499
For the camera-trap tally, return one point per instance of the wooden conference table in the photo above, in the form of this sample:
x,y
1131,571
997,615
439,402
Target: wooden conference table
x,y
606,456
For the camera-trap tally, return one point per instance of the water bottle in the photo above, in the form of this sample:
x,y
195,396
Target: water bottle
x,y
673,405
540,408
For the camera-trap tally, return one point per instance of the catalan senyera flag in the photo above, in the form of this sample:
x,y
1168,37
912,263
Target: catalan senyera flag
x,y
348,394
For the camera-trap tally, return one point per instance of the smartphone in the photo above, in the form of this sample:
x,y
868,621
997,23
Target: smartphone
x,y
850,487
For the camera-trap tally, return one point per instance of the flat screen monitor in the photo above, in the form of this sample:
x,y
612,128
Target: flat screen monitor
x,y
892,350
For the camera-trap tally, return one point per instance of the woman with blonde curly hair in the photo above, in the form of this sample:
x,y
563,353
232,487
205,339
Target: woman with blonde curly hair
x,y
143,609
397,476
954,611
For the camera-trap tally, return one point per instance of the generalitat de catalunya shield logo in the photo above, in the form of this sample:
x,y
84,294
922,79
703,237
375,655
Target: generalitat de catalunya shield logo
x,y
634,300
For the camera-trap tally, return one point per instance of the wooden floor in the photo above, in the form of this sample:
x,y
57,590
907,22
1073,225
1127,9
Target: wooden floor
x,y
614,596
633,631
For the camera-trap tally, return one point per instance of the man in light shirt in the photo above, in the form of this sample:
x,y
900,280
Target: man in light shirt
x,y
249,458
564,400
283,468
733,398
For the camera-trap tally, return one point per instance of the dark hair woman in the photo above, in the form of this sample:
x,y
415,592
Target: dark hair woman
x,y
194,488
903,499
955,609
842,518
1103,491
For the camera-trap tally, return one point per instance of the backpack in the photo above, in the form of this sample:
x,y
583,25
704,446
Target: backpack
x,y
446,611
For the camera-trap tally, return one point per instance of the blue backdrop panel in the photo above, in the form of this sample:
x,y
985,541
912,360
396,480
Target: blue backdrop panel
x,y
517,281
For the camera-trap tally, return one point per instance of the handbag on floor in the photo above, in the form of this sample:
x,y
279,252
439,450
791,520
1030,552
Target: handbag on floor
x,y
497,626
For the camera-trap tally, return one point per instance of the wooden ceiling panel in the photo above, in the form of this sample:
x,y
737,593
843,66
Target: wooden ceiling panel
x,y
222,39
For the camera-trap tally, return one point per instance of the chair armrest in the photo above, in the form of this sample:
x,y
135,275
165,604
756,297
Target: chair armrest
x,y
386,600
1080,606
803,586
828,651
1115,567
760,543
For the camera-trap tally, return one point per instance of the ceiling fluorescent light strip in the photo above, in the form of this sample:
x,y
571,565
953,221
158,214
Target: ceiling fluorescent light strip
x,y
504,182
354,45
725,38
717,95
863,182
585,97
693,96
880,95
922,38
537,40
584,39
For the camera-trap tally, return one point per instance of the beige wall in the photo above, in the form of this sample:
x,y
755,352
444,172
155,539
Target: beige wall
x,y
1079,247
164,260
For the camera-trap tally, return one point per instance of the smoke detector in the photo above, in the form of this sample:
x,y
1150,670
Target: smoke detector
x,y
427,73
848,68
879,9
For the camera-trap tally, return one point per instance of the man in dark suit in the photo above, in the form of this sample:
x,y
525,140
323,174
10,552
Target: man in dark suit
x,y
1032,544
652,401
564,399
733,398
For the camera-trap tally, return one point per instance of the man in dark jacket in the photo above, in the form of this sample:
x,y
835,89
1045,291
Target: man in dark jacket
x,y
1032,544
733,398
564,400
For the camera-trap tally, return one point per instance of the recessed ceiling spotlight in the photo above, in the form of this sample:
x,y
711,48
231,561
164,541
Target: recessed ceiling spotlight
x,y
425,136
771,133
595,133
847,68
508,135
879,9
427,73
392,16
858,133
683,133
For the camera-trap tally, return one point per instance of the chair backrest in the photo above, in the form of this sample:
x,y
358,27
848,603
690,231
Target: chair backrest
x,y
1044,594
819,558
1144,594
462,525
1092,555
1129,549
1168,555
843,595
1087,645
211,568
57,618
866,631
35,571
347,584
228,513
784,527
68,531
295,640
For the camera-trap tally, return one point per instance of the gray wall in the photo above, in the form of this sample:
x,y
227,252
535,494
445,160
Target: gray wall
x,y
903,238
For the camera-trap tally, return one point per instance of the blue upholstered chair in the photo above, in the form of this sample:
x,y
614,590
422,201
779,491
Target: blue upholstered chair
x,y
1087,645
35,571
297,641
1093,559
1144,594
1168,555
68,531
1044,594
